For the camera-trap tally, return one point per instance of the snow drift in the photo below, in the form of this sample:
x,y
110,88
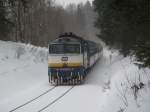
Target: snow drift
x,y
115,84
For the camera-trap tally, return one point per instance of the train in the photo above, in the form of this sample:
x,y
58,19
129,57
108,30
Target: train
x,y
70,58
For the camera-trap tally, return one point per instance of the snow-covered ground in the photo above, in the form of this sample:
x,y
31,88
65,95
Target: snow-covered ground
x,y
109,87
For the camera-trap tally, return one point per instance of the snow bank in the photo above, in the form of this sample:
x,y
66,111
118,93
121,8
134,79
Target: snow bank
x,y
109,87
122,89
12,50
22,68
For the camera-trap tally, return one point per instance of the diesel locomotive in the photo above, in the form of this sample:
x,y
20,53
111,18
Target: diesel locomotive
x,y
70,57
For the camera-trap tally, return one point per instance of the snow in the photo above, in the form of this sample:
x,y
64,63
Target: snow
x,y
107,88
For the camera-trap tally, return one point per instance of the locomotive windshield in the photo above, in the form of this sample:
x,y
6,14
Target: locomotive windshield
x,y
64,48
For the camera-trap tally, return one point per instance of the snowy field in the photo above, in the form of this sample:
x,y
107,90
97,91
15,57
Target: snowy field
x,y
114,85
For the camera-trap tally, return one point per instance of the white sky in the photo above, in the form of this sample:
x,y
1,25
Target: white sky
x,y
65,2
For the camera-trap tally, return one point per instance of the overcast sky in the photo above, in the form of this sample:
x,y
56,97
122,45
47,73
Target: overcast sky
x,y
65,2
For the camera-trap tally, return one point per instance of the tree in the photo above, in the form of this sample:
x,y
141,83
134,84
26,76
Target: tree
x,y
39,22
5,23
123,23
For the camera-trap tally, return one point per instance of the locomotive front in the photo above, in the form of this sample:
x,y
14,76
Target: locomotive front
x,y
65,61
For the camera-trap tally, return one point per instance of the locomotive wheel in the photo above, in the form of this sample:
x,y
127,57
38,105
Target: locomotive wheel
x,y
73,81
61,81
69,82
52,79
49,79
76,80
56,82
81,79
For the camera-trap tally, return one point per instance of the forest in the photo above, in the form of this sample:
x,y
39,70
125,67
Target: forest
x,y
122,24
125,25
39,22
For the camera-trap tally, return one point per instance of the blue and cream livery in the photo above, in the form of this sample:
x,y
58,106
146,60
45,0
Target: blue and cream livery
x,y
70,57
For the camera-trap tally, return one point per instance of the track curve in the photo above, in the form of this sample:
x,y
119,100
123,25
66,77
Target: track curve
x,y
33,99
54,101
45,100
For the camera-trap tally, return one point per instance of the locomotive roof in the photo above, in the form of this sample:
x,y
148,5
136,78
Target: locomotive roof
x,y
69,38
72,36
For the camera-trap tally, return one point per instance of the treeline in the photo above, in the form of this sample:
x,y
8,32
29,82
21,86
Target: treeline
x,y
40,21
125,25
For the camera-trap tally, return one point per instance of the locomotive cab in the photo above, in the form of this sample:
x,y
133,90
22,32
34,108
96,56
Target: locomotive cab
x,y
70,57
65,61
65,55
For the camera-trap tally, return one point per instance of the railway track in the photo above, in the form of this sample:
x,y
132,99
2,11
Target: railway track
x,y
51,103
40,107
32,99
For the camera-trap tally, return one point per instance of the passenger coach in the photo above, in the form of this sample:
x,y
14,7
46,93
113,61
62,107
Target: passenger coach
x,y
70,57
